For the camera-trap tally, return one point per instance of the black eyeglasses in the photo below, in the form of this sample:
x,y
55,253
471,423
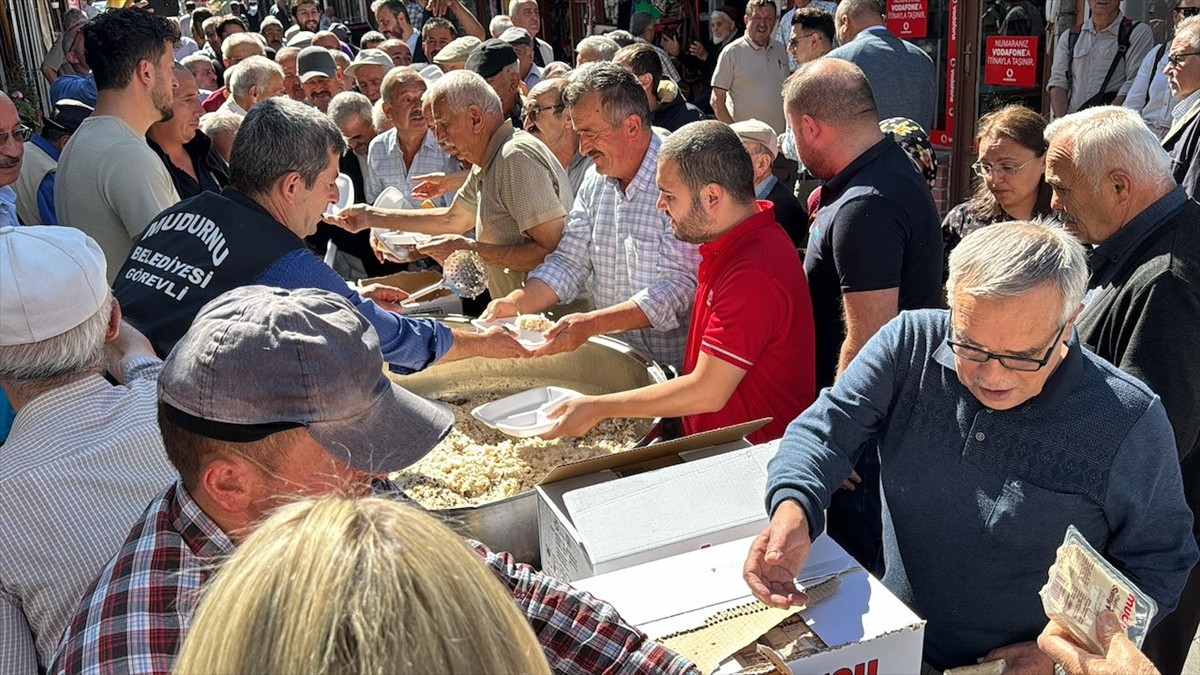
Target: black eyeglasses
x,y
1187,11
21,133
1176,59
532,113
1020,363
796,40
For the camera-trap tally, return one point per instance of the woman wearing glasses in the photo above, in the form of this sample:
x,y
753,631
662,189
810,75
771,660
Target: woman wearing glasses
x,y
1010,167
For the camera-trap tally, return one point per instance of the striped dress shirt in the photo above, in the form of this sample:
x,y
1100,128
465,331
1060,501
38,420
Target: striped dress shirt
x,y
622,245
385,166
82,462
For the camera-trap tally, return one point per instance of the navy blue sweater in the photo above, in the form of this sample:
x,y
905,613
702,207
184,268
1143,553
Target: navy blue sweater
x,y
977,500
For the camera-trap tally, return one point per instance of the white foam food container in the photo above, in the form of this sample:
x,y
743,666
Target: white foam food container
x,y
530,339
524,414
345,195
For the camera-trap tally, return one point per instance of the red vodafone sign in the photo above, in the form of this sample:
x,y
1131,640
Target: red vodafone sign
x,y
1011,61
908,18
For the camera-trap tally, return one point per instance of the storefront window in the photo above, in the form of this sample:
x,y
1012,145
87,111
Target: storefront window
x,y
932,25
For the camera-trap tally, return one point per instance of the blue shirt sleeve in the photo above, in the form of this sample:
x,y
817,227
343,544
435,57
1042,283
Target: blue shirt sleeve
x,y
7,416
820,447
408,344
45,198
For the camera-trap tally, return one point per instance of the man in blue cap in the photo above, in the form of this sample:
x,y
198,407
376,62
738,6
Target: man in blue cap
x,y
35,185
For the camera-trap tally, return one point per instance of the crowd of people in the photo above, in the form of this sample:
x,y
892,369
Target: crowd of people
x,y
198,423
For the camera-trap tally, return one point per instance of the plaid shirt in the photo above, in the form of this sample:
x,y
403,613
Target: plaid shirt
x,y
621,244
135,615
385,166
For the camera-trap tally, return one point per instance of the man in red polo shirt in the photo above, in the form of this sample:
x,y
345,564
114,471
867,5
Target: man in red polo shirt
x,y
750,343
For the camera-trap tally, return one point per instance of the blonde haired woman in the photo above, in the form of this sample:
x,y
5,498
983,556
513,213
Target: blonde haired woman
x,y
338,585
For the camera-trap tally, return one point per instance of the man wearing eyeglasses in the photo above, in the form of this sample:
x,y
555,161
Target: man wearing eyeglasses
x,y
1144,289
785,31
996,430
546,118
13,135
1150,95
1182,73
811,37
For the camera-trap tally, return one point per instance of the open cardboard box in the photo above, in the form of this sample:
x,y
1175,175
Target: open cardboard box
x,y
611,512
440,303
867,630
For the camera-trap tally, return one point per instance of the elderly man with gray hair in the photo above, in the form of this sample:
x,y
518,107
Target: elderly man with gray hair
x,y
253,80
352,112
253,233
595,48
1013,432
75,434
1112,182
515,197
616,241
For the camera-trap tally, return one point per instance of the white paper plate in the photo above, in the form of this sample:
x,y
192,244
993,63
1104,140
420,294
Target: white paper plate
x,y
345,195
523,415
530,339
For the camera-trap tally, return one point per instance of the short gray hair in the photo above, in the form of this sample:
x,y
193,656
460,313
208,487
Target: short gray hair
x,y
709,152
279,136
605,48
1011,259
1188,31
499,24
74,351
192,60
238,39
1110,137
348,103
621,94
286,52
340,58
514,4
397,77
216,123
255,71
463,88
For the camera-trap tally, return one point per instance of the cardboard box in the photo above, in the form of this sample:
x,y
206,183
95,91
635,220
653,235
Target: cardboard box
x,y
868,630
622,510
440,303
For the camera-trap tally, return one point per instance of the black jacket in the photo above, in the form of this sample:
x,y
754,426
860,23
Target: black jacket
x,y
212,173
675,114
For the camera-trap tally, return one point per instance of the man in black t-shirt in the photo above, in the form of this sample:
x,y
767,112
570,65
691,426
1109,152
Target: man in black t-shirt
x,y
874,249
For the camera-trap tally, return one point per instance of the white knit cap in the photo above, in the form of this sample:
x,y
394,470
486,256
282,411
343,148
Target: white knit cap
x,y
52,279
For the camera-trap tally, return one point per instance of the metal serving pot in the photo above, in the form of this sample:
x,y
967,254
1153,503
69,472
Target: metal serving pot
x,y
600,366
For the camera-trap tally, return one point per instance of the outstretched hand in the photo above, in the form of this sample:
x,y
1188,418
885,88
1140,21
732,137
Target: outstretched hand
x,y
776,556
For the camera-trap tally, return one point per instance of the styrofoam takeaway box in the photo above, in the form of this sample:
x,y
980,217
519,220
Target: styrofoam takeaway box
x,y
440,303
868,630
704,489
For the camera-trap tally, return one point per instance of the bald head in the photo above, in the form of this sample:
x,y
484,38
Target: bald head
x,y
853,16
833,91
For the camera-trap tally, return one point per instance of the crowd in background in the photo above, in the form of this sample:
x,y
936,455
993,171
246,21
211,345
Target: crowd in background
x,y
184,327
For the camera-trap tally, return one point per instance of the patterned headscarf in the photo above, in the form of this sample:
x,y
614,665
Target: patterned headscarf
x,y
912,139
